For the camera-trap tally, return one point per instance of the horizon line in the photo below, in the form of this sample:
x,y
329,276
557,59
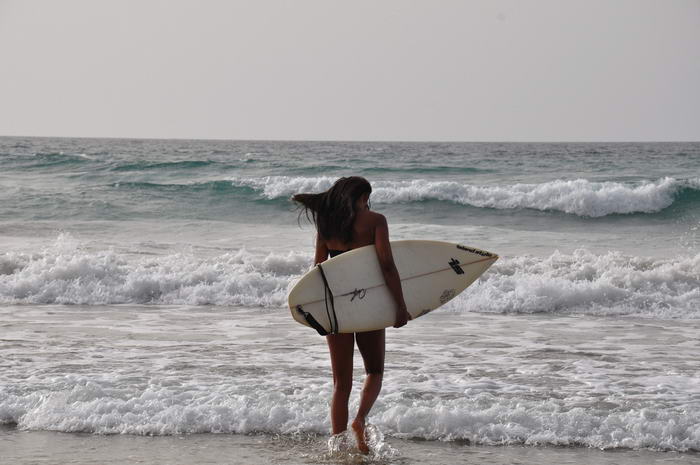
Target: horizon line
x,y
426,141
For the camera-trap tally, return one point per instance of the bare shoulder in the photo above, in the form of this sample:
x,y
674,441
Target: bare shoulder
x,y
377,218
379,224
368,217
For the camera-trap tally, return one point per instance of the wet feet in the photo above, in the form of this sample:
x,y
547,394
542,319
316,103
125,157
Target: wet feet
x,y
358,427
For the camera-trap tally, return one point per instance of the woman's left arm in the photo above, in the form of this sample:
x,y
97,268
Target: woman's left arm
x,y
321,250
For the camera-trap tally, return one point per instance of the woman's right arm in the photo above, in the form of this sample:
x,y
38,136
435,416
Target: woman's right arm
x,y
388,267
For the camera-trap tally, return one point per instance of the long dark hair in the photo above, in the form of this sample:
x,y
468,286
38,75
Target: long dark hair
x,y
333,212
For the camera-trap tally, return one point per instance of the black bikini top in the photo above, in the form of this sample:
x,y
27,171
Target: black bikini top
x,y
333,252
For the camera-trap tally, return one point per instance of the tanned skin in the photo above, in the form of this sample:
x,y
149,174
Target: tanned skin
x,y
369,228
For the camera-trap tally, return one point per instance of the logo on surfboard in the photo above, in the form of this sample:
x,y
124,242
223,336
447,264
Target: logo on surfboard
x,y
447,295
483,253
454,263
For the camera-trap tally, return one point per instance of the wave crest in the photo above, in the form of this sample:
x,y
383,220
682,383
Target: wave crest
x,y
579,197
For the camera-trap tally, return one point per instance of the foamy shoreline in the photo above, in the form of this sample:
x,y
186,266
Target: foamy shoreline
x,y
483,378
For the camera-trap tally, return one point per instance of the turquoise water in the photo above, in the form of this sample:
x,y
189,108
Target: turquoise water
x,y
98,179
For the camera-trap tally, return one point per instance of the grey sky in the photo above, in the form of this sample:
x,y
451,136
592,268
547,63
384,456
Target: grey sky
x,y
352,70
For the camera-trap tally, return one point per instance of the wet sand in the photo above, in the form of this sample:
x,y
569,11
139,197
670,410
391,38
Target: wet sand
x,y
45,447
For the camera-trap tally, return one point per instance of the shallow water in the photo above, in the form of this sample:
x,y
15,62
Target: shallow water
x,y
487,379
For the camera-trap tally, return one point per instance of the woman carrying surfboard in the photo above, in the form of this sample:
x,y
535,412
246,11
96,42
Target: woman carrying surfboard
x,y
344,222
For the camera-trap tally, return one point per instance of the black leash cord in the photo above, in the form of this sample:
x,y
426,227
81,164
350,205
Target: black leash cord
x,y
327,293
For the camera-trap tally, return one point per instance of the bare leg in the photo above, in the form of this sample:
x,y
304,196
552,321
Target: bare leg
x,y
371,345
341,347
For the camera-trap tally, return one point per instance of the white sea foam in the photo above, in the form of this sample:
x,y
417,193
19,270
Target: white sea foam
x,y
583,282
488,379
578,197
100,405
68,274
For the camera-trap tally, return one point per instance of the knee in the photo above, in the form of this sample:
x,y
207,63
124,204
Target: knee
x,y
342,388
376,372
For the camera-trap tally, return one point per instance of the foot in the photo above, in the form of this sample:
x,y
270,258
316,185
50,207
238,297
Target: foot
x,y
358,427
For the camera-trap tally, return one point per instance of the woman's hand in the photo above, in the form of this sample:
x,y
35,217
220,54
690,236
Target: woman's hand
x,y
402,316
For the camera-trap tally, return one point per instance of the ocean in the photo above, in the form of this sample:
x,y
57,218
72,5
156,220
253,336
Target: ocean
x,y
143,294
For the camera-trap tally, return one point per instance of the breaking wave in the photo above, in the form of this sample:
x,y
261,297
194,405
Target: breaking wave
x,y
577,197
582,282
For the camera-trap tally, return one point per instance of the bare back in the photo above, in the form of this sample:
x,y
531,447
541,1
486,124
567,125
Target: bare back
x,y
363,229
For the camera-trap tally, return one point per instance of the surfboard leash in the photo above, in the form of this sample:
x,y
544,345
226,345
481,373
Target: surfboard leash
x,y
328,293
312,321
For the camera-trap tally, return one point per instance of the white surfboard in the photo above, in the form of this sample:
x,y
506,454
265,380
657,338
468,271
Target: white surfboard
x,y
353,297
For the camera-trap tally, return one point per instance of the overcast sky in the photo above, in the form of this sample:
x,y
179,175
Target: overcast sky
x,y
580,70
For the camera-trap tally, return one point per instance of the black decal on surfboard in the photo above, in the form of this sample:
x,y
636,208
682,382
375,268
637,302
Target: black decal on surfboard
x,y
359,293
476,251
454,263
447,295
